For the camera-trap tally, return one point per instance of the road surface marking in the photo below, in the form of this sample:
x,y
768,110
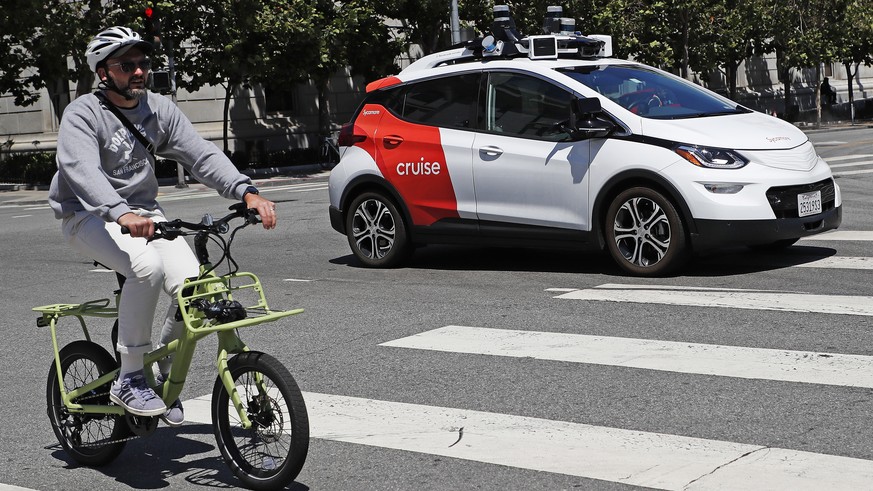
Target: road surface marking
x,y
648,354
847,157
839,262
726,298
853,164
853,172
842,235
655,460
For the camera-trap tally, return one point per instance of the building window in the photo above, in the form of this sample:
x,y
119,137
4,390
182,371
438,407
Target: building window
x,y
279,100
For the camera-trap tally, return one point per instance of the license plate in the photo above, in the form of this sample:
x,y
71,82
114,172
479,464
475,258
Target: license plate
x,y
809,203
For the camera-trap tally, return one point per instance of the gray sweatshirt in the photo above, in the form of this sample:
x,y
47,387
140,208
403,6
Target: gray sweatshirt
x,y
105,170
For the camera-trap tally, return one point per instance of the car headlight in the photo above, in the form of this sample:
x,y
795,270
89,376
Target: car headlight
x,y
711,158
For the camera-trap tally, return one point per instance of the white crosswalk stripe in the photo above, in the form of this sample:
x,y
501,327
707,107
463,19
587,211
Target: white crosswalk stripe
x,y
853,164
681,357
853,235
640,458
847,157
726,298
845,163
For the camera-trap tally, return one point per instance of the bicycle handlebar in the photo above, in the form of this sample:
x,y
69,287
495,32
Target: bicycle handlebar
x,y
175,228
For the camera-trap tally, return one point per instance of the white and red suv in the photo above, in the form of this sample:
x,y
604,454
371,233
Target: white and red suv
x,y
544,142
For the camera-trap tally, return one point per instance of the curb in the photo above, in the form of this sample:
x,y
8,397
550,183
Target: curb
x,y
812,128
262,173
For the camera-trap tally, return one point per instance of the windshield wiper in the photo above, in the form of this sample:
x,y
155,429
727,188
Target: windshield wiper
x,y
738,110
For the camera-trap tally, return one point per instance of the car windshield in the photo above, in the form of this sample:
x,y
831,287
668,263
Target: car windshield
x,y
650,93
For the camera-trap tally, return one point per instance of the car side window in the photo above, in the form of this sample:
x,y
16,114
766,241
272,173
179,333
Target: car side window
x,y
525,106
449,102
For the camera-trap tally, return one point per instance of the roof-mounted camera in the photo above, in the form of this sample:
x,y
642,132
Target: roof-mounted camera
x,y
559,39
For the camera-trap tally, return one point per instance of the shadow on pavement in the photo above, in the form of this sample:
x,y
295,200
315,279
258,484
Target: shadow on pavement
x,y
149,462
725,262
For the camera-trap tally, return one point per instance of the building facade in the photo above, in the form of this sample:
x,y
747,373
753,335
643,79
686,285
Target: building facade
x,y
262,121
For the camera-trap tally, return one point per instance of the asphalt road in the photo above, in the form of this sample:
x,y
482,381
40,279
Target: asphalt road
x,y
336,349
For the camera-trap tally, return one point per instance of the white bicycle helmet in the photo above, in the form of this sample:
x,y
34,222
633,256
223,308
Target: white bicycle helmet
x,y
114,41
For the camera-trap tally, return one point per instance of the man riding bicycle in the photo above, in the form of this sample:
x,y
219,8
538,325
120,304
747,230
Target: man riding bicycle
x,y
106,181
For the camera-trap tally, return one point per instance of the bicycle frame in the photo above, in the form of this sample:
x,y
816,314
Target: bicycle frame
x,y
211,287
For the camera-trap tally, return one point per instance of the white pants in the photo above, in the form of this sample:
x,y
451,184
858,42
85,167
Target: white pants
x,y
148,266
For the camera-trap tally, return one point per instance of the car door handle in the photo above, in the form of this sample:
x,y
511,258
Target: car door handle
x,y
491,151
393,140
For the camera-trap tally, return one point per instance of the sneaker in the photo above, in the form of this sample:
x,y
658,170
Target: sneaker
x,y
135,396
175,415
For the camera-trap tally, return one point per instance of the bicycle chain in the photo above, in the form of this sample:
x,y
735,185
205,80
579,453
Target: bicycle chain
x,y
102,443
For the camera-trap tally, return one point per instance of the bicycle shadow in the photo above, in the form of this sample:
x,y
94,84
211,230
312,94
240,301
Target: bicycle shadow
x,y
151,462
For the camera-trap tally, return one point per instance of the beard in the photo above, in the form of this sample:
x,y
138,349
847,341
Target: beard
x,y
127,92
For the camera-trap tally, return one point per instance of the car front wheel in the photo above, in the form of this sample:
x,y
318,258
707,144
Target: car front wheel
x,y
644,233
376,231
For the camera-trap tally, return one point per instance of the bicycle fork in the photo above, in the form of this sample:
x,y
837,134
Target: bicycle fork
x,y
229,342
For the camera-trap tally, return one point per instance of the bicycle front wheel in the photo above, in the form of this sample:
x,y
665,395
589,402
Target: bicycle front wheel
x,y
270,454
90,439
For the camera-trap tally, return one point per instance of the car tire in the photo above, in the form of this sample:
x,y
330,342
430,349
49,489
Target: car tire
x,y
644,233
377,231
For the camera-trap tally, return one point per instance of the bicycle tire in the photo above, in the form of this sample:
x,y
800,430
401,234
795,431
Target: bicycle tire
x,y
264,456
80,434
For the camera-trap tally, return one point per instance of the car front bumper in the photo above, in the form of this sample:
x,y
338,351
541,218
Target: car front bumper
x,y
718,233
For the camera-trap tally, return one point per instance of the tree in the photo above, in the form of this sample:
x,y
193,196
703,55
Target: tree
x,y
737,35
41,36
232,43
640,29
804,33
854,44
14,59
424,21
347,33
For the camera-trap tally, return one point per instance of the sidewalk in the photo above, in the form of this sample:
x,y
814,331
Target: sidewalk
x,y
262,178
834,126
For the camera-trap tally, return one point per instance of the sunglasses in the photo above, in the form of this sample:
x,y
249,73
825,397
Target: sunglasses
x,y
130,66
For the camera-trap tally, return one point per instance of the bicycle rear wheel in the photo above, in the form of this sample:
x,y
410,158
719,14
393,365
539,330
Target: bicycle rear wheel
x,y
270,454
90,439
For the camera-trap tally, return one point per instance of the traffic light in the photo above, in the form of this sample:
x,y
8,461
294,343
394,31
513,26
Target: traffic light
x,y
152,24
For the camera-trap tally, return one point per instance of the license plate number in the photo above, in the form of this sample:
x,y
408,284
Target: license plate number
x,y
809,203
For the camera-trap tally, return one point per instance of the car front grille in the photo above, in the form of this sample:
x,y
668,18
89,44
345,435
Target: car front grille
x,y
783,199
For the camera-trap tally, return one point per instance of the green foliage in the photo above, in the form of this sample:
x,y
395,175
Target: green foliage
x,y
424,21
32,168
854,40
237,43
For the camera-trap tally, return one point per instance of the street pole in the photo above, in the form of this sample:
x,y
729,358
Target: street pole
x,y
456,24
171,68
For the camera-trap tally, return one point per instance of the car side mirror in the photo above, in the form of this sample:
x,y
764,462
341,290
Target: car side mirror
x,y
587,121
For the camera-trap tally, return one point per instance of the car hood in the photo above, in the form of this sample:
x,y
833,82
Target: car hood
x,y
749,131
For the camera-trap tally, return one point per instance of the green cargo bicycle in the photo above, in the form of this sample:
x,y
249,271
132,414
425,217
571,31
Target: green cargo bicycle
x,y
258,412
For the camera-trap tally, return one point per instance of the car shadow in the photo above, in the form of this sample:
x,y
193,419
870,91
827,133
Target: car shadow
x,y
723,262
477,258
742,260
149,462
